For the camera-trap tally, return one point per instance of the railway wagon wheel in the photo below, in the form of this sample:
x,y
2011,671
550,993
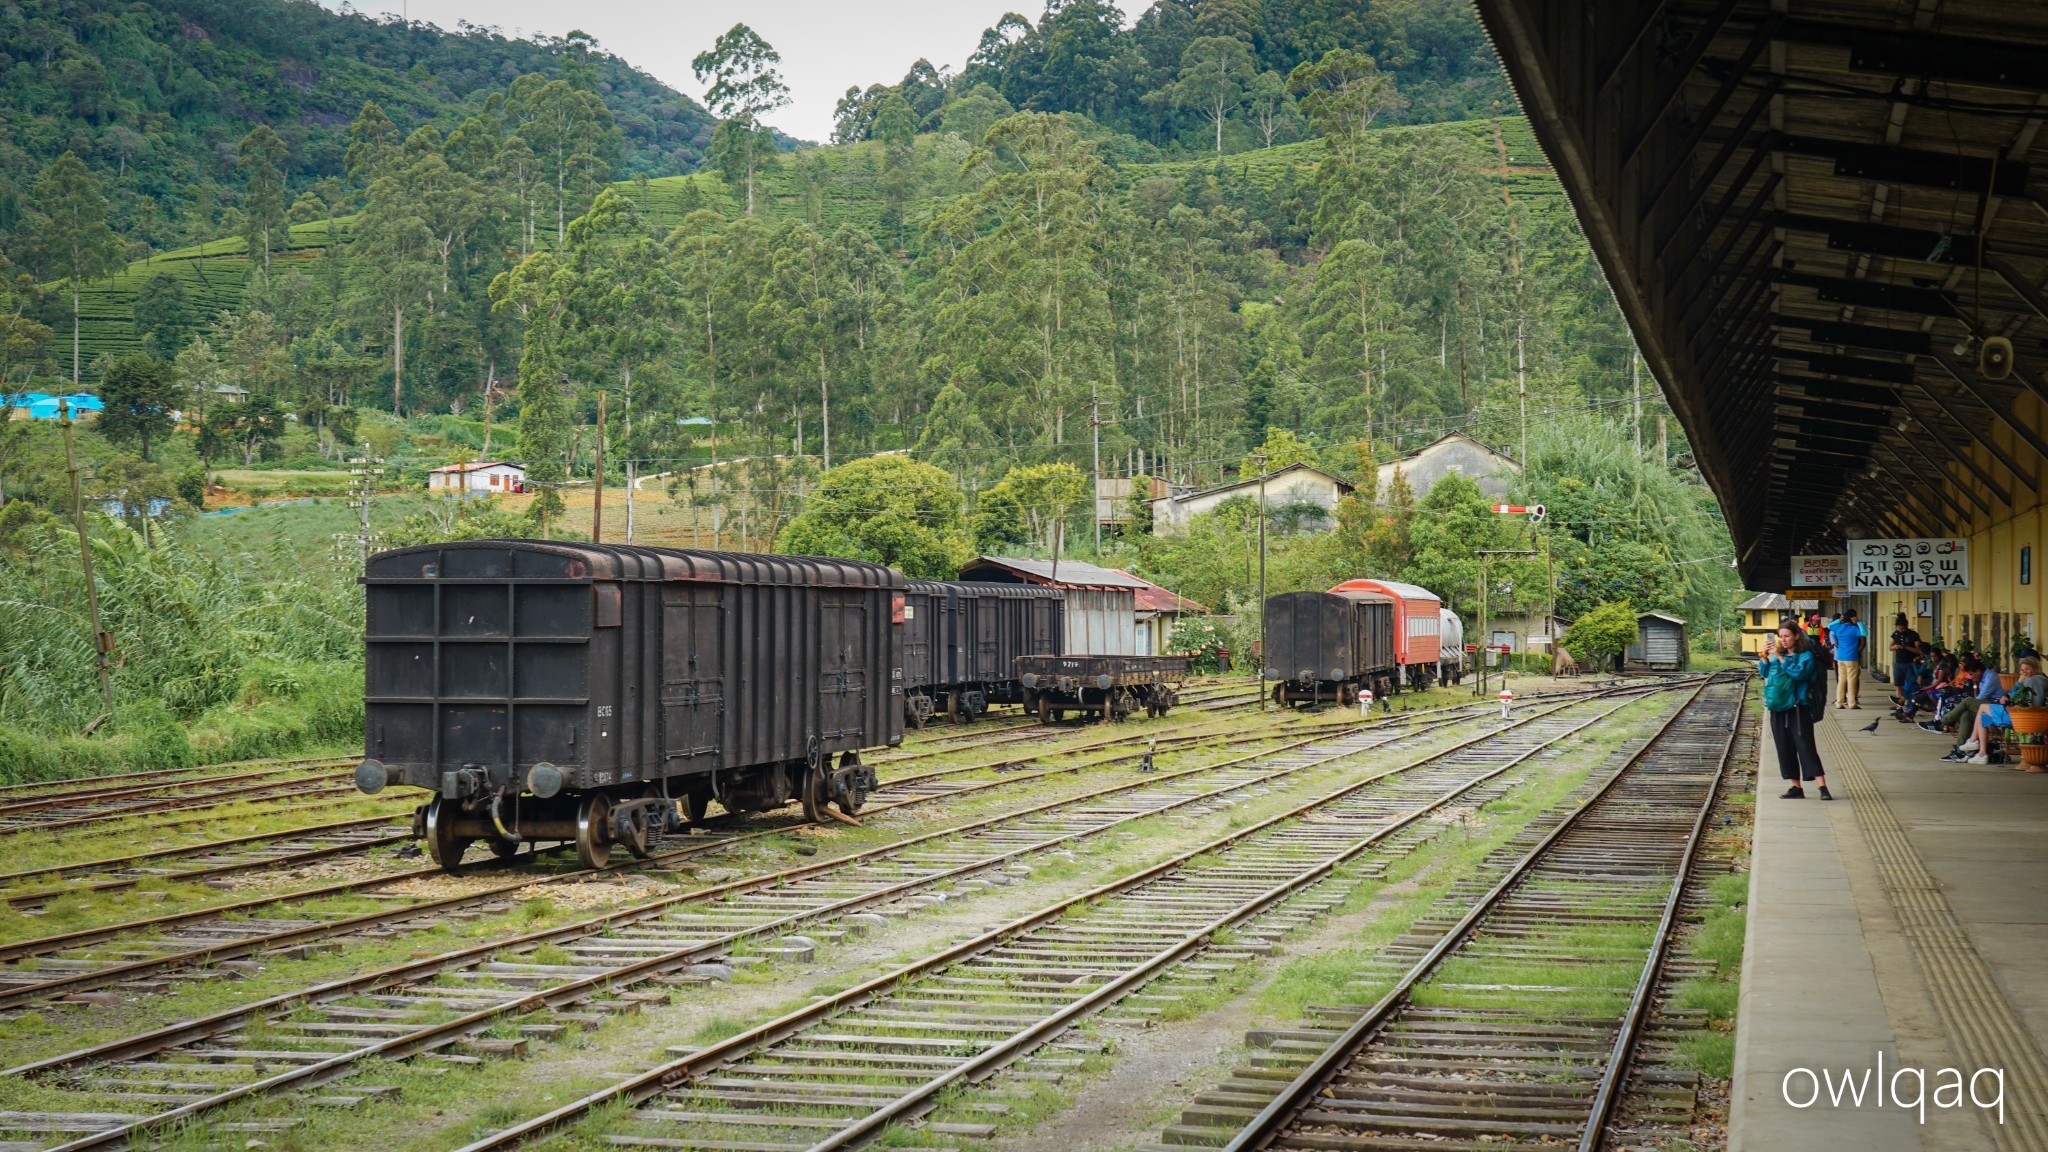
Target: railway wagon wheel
x,y
851,793
817,795
1044,711
444,847
593,829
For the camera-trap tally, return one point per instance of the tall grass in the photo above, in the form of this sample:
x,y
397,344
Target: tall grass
x,y
215,656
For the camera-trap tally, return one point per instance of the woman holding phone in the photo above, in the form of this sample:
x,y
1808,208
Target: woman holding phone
x,y
1789,672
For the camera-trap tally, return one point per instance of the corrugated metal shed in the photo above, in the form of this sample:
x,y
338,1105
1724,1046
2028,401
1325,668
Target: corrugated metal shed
x,y
1101,615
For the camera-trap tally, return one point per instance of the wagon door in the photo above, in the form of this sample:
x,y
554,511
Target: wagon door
x,y
842,661
692,678
988,642
1045,628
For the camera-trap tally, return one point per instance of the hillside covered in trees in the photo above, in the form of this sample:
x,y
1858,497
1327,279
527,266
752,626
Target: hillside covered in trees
x,y
998,283
155,94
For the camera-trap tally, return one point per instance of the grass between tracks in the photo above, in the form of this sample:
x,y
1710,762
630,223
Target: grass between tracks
x,y
162,897
436,1099
1342,971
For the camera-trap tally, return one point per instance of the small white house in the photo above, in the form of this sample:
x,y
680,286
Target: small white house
x,y
1452,453
481,476
1296,484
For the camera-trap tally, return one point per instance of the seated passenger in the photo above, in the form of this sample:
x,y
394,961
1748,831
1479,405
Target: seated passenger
x,y
1960,712
1993,715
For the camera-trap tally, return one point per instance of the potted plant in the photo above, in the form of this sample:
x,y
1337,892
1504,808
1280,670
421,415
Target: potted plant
x,y
2030,727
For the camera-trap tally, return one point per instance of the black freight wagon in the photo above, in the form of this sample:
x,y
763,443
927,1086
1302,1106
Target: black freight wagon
x,y
1110,686
579,692
961,641
1328,646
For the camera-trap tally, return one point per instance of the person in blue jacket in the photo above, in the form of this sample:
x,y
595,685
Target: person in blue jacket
x,y
1791,678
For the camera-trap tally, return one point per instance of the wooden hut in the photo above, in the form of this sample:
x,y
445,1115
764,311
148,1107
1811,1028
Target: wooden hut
x,y
1660,643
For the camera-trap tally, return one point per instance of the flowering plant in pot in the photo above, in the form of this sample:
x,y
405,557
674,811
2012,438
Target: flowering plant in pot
x,y
2030,727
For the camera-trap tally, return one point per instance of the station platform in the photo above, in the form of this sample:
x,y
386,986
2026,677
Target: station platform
x,y
1907,918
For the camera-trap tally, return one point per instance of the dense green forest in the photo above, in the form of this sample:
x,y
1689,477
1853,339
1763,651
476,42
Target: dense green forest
x,y
1301,232
155,95
1158,79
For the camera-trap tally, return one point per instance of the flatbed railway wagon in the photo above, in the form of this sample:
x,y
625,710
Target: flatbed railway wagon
x,y
961,640
1327,647
1111,687
1418,629
581,693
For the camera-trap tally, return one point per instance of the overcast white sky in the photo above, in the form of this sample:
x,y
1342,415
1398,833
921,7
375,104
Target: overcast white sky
x,y
826,45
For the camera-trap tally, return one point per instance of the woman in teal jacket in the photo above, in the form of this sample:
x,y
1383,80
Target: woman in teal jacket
x,y
1791,677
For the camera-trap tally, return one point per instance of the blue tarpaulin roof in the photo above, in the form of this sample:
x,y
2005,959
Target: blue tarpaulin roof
x,y
43,405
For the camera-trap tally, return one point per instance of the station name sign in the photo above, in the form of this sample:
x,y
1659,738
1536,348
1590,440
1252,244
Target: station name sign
x,y
1820,571
1908,565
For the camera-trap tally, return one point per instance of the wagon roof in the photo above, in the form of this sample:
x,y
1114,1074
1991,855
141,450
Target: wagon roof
x,y
1070,573
631,562
987,588
1391,587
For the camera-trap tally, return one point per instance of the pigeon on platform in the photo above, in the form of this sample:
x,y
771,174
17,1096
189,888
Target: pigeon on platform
x,y
1870,727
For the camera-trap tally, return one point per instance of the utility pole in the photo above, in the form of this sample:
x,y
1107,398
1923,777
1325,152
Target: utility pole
x,y
1261,458
1522,389
1095,503
597,482
1485,649
1635,388
363,467
102,640
629,459
1663,443
1635,371
1549,601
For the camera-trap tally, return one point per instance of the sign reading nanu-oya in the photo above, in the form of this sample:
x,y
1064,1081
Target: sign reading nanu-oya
x,y
1908,565
1819,571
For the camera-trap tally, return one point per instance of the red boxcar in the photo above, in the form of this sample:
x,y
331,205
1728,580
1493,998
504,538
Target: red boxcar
x,y
1418,627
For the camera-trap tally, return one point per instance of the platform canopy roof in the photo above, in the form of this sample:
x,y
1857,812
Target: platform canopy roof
x,y
1812,213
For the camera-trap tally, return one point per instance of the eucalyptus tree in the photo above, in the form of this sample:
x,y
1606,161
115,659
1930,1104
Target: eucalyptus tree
x,y
1020,307
624,299
572,137
1215,72
69,236
540,291
745,85
395,243
262,156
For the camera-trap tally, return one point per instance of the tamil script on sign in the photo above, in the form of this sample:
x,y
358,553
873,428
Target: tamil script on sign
x,y
1908,565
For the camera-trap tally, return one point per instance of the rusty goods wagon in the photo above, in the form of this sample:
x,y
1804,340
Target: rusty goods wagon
x,y
961,640
1418,629
582,693
1329,646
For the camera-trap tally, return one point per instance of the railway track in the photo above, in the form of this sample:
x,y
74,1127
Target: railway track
x,y
194,1067
1509,1020
220,861
1030,731
839,1072
337,787
103,799
37,789
149,955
